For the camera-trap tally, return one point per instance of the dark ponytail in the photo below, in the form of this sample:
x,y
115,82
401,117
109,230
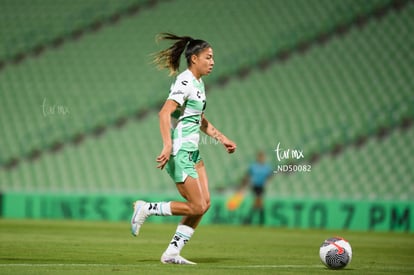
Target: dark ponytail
x,y
170,57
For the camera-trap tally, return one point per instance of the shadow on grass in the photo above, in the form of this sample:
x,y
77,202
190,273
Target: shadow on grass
x,y
210,260
196,260
27,260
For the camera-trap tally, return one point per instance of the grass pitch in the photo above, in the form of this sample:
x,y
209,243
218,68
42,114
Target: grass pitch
x,y
69,247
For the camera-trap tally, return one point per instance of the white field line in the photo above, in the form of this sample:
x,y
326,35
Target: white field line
x,y
320,266
148,265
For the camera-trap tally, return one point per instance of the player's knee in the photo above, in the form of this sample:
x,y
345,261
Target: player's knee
x,y
208,204
199,209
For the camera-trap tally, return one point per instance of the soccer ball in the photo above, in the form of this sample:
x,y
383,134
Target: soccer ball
x,y
335,253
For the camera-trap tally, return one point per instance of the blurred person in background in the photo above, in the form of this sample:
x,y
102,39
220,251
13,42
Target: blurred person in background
x,y
258,174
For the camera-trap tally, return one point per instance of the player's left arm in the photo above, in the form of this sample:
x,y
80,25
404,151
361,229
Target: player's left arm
x,y
212,131
270,176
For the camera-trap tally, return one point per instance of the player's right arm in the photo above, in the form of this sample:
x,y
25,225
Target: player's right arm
x,y
165,123
246,179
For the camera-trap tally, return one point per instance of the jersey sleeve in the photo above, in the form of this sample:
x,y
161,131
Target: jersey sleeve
x,y
179,91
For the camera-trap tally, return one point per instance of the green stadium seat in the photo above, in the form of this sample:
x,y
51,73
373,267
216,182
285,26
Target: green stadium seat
x,y
333,94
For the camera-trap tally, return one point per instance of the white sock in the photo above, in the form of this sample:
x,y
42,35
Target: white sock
x,y
159,208
180,238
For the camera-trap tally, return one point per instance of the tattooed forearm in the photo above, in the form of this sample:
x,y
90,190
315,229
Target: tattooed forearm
x,y
211,131
216,134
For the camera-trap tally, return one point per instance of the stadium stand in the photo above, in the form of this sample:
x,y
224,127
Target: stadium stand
x,y
332,95
357,85
31,25
84,75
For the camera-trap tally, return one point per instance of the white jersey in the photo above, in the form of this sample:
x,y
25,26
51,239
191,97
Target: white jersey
x,y
189,93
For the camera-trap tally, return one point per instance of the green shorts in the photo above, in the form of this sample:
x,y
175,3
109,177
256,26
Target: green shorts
x,y
182,165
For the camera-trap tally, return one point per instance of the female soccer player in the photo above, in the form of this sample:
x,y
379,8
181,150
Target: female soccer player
x,y
181,119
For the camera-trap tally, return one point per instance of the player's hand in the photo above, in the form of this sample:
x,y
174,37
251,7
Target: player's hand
x,y
164,156
229,145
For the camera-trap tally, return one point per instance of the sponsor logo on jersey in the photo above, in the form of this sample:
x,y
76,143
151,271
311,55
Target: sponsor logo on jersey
x,y
179,92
